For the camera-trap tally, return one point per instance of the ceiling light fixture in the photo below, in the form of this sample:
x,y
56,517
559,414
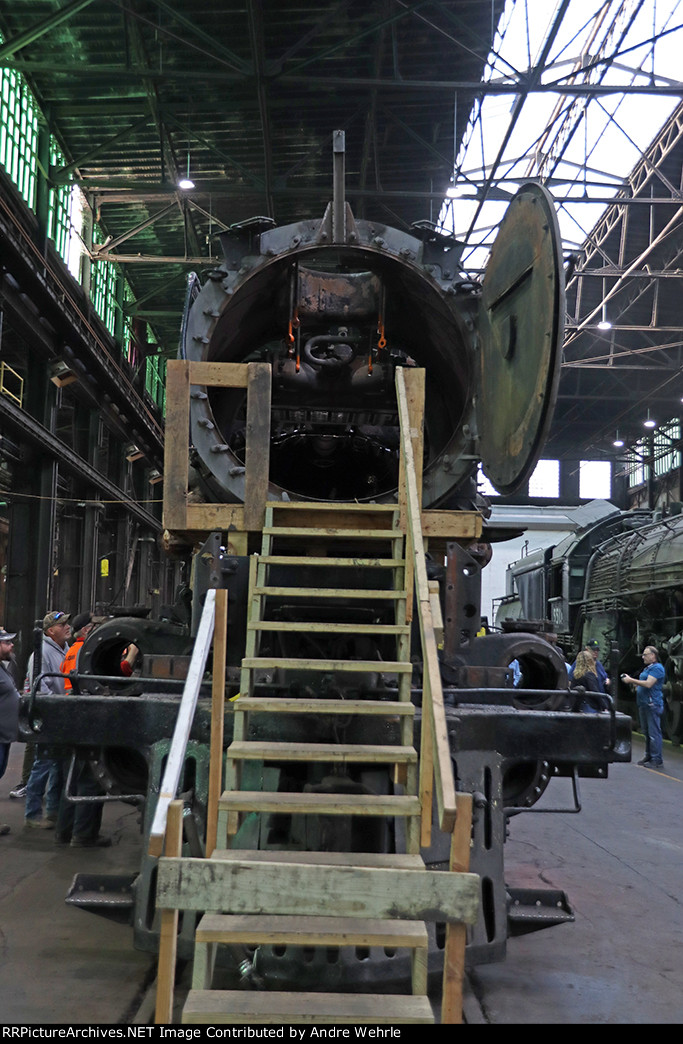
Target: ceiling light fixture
x,y
133,452
186,182
61,373
604,323
649,422
617,441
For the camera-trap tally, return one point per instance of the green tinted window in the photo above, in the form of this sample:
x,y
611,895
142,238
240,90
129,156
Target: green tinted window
x,y
18,133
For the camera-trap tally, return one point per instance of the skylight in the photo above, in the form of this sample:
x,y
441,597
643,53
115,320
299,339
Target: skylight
x,y
582,146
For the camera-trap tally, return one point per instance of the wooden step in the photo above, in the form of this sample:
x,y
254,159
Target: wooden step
x,y
343,507
332,532
307,627
362,563
320,804
291,705
246,887
329,592
243,1006
382,860
255,663
274,929
346,753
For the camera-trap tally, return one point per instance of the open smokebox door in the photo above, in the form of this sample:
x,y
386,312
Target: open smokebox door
x,y
521,326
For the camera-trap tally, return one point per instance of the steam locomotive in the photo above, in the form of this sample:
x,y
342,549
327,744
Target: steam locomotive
x,y
618,580
333,306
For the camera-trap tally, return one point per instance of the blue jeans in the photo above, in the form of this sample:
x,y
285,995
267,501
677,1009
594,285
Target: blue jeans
x,y
47,778
650,717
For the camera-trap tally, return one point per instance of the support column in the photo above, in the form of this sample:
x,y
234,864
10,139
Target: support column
x,y
86,263
91,521
569,481
120,296
43,185
32,519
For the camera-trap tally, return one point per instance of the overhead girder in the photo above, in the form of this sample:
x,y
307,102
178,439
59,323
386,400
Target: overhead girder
x,y
127,74
629,267
64,175
262,79
534,80
212,49
255,15
40,29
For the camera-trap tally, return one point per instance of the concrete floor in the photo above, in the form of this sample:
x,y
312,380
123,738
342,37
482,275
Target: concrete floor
x,y
59,964
619,860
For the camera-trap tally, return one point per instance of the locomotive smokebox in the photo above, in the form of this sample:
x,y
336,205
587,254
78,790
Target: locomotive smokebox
x,y
334,319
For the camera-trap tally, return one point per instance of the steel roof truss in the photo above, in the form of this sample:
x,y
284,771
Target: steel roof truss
x,y
63,174
41,28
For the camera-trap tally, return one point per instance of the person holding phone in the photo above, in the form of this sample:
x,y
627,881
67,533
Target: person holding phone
x,y
650,703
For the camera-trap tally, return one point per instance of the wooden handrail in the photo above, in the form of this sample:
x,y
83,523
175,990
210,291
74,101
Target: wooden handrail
x,y
183,725
433,712
220,646
168,929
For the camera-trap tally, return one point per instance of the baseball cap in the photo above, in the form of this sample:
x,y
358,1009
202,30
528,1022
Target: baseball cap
x,y
5,637
592,644
80,621
55,618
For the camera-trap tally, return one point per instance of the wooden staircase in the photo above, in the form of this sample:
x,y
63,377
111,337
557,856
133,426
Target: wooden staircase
x,y
297,662
272,898
278,613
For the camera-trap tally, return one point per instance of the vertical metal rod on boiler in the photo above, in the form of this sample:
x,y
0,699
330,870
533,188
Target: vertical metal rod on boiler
x,y
338,187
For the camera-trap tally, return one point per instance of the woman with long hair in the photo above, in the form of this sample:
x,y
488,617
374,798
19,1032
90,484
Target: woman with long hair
x,y
586,675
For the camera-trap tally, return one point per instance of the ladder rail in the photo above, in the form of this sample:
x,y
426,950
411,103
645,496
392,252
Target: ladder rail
x,y
183,725
435,735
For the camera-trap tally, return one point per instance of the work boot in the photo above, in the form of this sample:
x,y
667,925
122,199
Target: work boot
x,y
39,824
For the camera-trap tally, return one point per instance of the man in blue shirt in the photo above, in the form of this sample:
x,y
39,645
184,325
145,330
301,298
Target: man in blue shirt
x,y
650,703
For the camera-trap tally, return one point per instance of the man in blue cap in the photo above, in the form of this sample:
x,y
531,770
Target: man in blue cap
x,y
47,775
